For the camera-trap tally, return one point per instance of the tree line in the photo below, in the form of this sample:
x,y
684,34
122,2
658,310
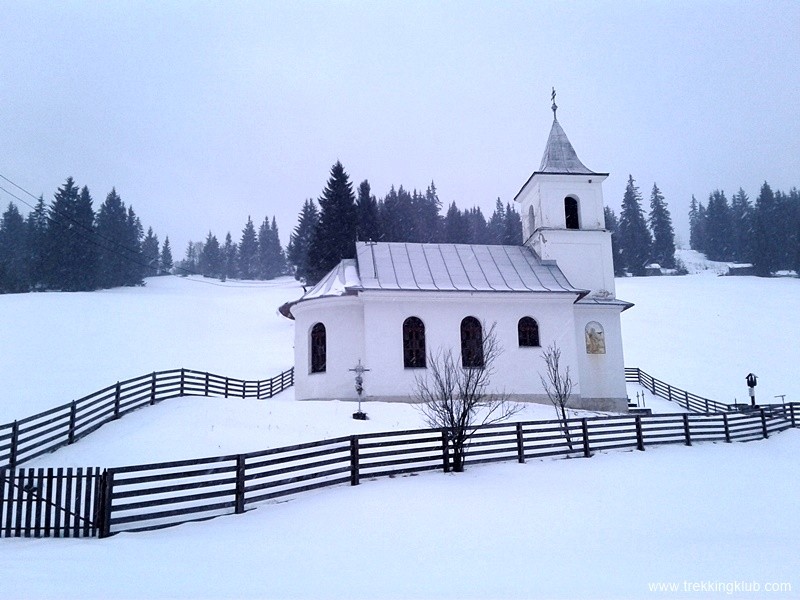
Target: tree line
x,y
256,255
327,233
638,241
68,246
765,233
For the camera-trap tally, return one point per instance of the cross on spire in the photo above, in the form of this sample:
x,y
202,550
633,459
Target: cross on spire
x,y
554,107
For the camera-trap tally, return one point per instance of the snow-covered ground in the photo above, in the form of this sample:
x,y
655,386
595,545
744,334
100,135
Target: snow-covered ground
x,y
599,528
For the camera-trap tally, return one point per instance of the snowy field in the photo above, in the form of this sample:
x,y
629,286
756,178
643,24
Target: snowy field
x,y
608,527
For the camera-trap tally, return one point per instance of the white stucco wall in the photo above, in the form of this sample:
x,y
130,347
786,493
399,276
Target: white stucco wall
x,y
603,375
546,193
584,257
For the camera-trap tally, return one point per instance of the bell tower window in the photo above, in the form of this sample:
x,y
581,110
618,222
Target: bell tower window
x,y
571,213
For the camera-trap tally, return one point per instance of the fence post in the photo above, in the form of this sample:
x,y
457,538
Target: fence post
x,y
353,460
706,402
727,429
653,385
445,451
258,390
153,389
669,392
686,399
686,432
73,410
226,388
105,502
764,423
116,401
639,434
791,413
205,386
271,381
183,376
240,468
12,457
520,444
585,429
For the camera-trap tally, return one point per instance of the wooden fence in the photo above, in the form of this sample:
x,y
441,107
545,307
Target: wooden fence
x,y
45,432
689,401
49,502
160,495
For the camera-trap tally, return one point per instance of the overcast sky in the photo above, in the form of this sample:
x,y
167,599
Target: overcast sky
x,y
202,113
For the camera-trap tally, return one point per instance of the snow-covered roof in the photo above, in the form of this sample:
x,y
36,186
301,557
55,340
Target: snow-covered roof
x,y
440,267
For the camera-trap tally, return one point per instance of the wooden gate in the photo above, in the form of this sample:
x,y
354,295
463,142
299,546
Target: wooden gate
x,y
49,502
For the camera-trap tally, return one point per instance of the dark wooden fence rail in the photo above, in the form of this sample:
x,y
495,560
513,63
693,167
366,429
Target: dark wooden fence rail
x,y
29,438
161,495
689,401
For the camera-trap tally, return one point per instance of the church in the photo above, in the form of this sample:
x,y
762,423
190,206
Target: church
x,y
394,304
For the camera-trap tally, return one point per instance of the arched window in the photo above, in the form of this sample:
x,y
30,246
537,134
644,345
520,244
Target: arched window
x,y
528,332
471,343
413,343
319,351
571,213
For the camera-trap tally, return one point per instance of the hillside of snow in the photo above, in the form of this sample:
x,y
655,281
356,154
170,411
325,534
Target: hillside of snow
x,y
614,525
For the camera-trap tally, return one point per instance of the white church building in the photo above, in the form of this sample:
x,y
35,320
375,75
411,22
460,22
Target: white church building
x,y
394,304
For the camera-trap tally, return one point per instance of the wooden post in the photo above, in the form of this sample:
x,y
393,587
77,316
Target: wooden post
x,y
73,410
686,399
226,388
206,384
585,429
271,381
706,401
764,423
116,401
105,501
153,388
686,432
791,413
669,392
520,444
258,390
353,460
183,377
240,469
12,458
445,452
653,385
639,434
727,428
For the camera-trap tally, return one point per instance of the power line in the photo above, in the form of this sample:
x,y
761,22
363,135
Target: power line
x,y
131,252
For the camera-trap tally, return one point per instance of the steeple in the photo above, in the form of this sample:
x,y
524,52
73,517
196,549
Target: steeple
x,y
559,155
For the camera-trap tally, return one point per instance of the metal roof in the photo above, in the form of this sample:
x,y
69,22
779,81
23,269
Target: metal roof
x,y
559,155
457,267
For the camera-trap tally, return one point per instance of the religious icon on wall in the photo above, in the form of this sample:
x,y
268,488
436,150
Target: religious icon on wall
x,y
595,338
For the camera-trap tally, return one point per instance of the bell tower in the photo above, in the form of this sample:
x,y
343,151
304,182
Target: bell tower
x,y
561,206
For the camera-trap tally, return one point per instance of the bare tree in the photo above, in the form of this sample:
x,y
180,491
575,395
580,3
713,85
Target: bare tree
x,y
558,385
457,398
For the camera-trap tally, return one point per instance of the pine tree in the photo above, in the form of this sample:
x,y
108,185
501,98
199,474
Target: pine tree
x,y
210,260
300,240
612,225
62,246
398,219
113,235
663,249
134,234
741,221
37,224
150,253
426,215
229,258
718,227
634,237
248,251
14,276
766,245
497,224
166,258
696,225
271,260
477,233
456,229
368,217
335,235
86,245
513,227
